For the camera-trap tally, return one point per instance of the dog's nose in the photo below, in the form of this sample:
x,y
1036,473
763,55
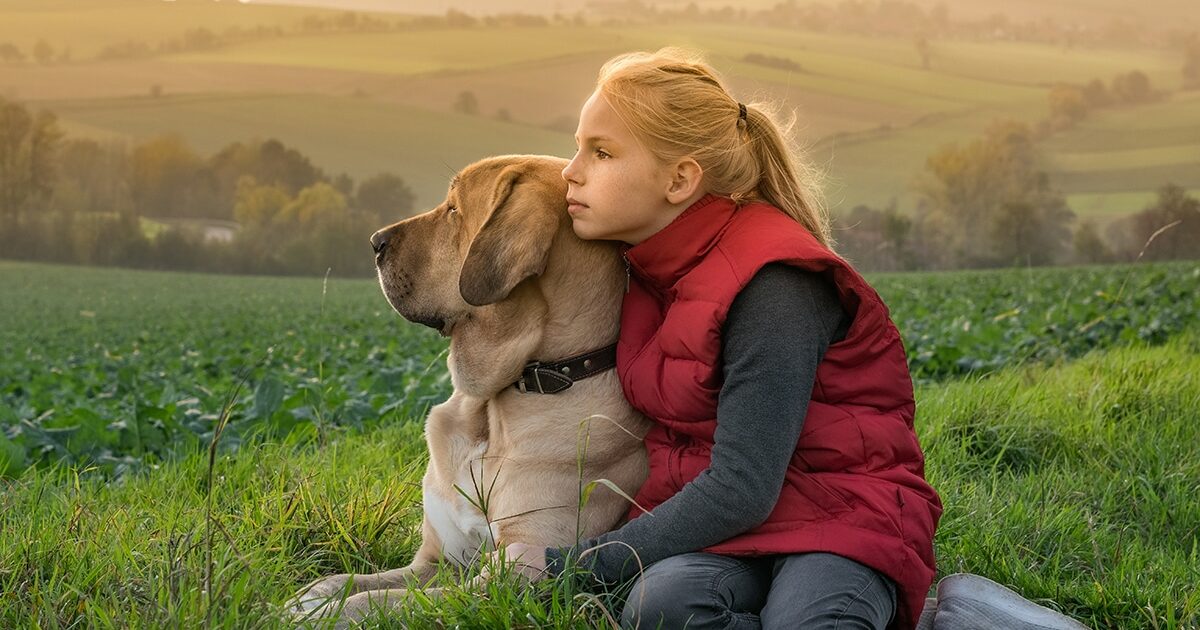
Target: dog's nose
x,y
379,241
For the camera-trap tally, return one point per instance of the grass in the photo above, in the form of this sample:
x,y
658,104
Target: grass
x,y
1106,206
1071,483
1170,122
1044,490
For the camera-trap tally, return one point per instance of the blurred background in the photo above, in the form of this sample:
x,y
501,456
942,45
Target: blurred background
x,y
274,137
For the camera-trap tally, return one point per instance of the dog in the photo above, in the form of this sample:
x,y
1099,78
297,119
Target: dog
x,y
528,307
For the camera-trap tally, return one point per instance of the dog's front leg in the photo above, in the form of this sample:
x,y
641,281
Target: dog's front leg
x,y
326,593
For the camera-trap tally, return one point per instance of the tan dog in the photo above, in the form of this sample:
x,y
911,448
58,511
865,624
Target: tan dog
x,y
498,269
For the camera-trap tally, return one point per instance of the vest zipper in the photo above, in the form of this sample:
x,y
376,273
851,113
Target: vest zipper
x,y
626,272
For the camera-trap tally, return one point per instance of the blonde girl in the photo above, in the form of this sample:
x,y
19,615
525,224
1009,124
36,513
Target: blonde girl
x,y
786,484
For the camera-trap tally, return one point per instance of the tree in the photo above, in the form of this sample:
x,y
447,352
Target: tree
x,y
973,194
318,200
386,197
1068,105
268,161
168,179
43,53
876,240
344,184
10,53
258,205
28,148
458,19
200,39
1191,63
1132,87
466,103
1033,230
321,232
1179,241
1096,94
1089,247
348,20
93,177
922,45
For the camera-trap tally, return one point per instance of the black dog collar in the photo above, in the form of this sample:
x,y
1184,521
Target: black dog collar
x,y
551,378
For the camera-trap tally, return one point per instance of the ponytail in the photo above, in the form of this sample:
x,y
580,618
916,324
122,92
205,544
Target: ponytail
x,y
787,182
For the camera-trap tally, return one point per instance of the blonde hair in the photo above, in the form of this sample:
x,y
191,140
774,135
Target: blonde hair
x,y
677,105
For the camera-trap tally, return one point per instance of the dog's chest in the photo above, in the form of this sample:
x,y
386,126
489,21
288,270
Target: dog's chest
x,y
461,524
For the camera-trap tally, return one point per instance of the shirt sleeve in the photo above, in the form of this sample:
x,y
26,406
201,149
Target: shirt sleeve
x,y
775,334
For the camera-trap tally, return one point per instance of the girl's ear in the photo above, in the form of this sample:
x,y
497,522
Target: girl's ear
x,y
686,177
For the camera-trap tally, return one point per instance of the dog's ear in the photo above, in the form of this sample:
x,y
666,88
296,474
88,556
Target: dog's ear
x,y
514,242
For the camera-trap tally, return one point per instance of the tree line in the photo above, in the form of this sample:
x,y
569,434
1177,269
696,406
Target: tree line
x,y
1070,104
988,203
203,38
899,18
152,204
985,203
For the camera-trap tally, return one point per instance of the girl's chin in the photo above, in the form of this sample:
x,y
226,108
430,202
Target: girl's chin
x,y
581,228
587,231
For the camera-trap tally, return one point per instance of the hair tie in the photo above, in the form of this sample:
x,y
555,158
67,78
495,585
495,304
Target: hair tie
x,y
742,112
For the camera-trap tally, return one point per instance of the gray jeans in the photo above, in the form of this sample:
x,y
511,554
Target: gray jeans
x,y
809,590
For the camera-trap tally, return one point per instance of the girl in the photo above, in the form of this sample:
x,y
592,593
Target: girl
x,y
786,484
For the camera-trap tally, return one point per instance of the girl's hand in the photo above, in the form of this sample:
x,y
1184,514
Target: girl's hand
x,y
525,560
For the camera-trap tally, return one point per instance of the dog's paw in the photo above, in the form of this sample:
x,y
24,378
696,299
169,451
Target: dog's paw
x,y
318,594
320,617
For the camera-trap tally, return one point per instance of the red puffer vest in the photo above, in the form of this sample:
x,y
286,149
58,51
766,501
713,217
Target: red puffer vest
x,y
855,485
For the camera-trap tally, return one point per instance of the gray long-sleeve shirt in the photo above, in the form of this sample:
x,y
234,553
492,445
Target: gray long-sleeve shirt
x,y
775,335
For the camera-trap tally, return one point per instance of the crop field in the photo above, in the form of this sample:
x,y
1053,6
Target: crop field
x,y
115,368
1058,409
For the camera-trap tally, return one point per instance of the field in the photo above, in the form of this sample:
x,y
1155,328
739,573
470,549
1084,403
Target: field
x,y
367,102
185,450
1058,409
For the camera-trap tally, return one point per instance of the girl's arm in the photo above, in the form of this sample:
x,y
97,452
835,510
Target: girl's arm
x,y
776,333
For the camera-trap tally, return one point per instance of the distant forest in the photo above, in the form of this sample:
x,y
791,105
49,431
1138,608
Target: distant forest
x,y
154,205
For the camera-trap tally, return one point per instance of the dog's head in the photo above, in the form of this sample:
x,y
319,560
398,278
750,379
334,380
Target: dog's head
x,y
494,230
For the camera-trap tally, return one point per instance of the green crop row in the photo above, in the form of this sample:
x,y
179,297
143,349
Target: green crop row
x,y
123,369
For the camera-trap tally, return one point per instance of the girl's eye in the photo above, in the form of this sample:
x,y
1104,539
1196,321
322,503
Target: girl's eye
x,y
601,154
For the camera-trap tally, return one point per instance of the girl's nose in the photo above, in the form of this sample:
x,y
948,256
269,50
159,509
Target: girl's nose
x,y
570,173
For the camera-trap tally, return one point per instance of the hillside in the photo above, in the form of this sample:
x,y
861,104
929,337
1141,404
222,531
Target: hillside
x,y
362,102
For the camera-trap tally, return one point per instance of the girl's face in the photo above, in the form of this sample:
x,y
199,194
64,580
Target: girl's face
x,y
616,190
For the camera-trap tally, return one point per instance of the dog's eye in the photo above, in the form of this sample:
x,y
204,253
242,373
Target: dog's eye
x,y
451,210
